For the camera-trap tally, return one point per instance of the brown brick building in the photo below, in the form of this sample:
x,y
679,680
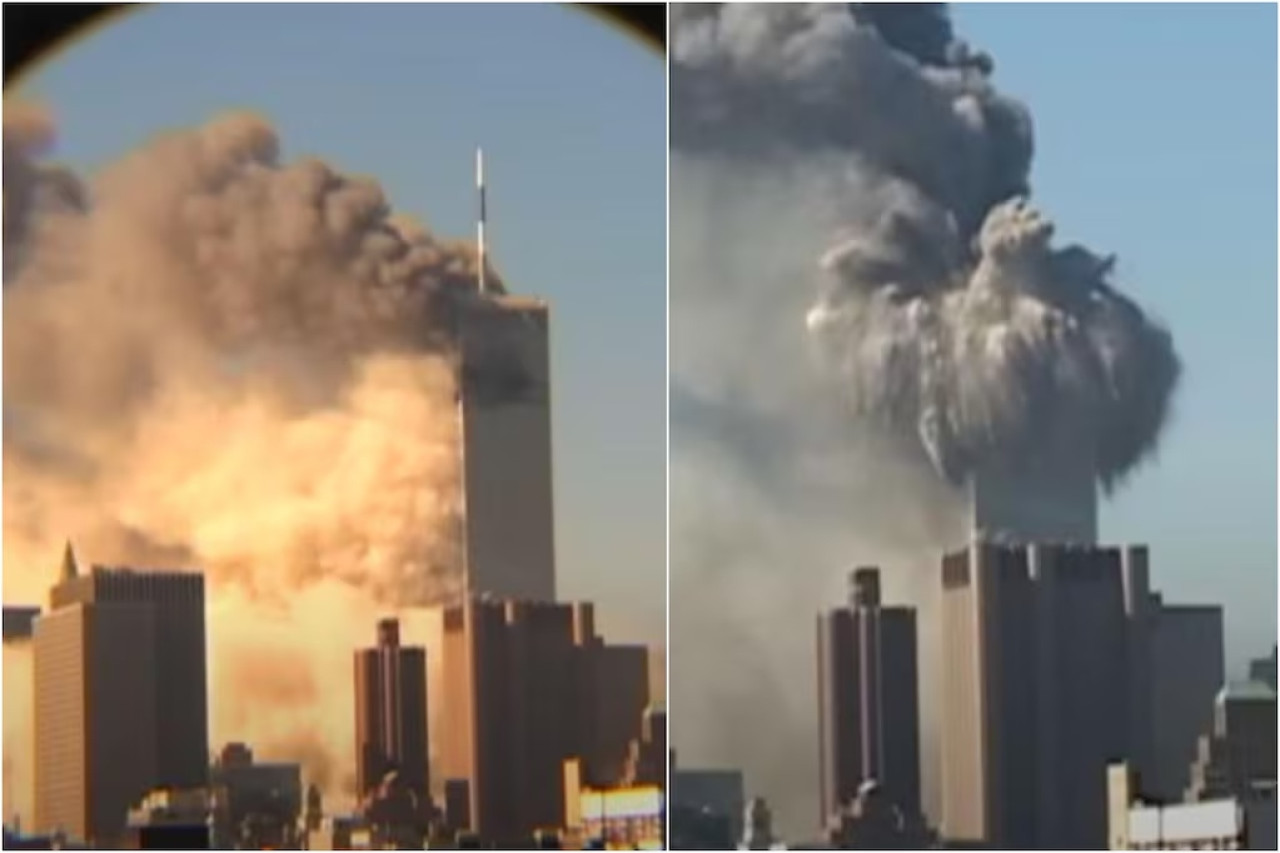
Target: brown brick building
x,y
527,686
1035,689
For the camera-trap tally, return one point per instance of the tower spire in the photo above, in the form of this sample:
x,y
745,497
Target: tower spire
x,y
69,568
480,222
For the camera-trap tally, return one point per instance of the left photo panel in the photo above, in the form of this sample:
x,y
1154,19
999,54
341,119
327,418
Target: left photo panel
x,y
334,426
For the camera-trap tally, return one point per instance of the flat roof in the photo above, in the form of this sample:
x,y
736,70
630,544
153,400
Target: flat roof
x,y
1247,690
19,622
514,300
1185,823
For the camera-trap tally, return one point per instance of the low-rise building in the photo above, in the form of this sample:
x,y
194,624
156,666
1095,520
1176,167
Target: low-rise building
x,y
1246,822
623,818
705,797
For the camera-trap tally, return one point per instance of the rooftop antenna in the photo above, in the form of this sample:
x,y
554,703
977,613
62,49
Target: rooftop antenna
x,y
480,225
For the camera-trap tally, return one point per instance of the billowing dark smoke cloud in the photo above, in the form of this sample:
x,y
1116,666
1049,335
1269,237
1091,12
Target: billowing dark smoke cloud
x,y
854,254
232,362
944,306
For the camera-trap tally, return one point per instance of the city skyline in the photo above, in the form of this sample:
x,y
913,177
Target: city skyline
x,y
391,478
554,232
407,406
807,313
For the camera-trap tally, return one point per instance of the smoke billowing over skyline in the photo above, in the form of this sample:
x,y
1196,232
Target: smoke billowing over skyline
x,y
858,273
221,360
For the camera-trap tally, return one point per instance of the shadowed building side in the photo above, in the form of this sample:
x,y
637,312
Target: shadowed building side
x,y
868,707
1034,680
391,713
181,712
120,696
524,690
505,407
19,623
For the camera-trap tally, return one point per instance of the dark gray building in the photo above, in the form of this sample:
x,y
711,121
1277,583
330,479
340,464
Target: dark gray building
x,y
1035,691
391,713
1187,671
19,623
1238,755
868,704
1264,669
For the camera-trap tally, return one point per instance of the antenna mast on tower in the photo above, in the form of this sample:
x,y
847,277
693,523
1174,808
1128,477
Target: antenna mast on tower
x,y
480,224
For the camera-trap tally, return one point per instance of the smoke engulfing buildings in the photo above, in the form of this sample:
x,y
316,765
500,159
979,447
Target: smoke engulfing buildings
x,y
271,375
944,309
862,283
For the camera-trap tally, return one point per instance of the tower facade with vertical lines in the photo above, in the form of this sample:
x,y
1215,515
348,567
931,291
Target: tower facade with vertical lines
x,y
391,713
868,704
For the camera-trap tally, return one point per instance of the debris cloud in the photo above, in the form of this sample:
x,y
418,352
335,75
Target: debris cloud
x,y
867,309
222,360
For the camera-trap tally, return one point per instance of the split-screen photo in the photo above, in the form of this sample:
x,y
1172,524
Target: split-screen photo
x,y
694,426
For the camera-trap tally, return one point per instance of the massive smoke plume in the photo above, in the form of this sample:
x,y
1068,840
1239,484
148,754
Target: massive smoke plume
x,y
220,360
858,274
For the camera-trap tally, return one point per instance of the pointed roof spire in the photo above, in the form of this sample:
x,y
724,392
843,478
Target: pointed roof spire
x,y
69,569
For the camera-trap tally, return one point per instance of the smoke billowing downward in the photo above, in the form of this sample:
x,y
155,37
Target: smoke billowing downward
x,y
220,360
943,305
858,273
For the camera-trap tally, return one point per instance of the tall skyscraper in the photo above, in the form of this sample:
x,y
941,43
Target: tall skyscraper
x,y
1051,503
1187,671
505,407
1174,656
521,696
507,530
1034,683
868,708
19,623
391,712
1238,756
121,695
1264,669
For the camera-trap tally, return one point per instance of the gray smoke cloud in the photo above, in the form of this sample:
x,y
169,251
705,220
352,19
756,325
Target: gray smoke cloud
x,y
224,360
861,293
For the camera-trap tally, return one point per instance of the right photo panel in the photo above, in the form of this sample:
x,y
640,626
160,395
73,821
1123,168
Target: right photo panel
x,y
972,463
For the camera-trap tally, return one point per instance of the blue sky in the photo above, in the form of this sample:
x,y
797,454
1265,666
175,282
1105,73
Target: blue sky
x,y
1156,139
571,114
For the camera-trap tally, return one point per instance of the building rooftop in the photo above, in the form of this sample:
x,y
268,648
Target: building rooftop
x,y
516,301
1186,823
1246,691
19,622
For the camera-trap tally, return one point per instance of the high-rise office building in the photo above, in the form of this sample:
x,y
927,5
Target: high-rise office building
x,y
1034,683
1264,669
505,407
1187,671
1051,503
19,623
507,532
391,713
1238,755
1174,657
120,694
868,708
697,793
521,696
